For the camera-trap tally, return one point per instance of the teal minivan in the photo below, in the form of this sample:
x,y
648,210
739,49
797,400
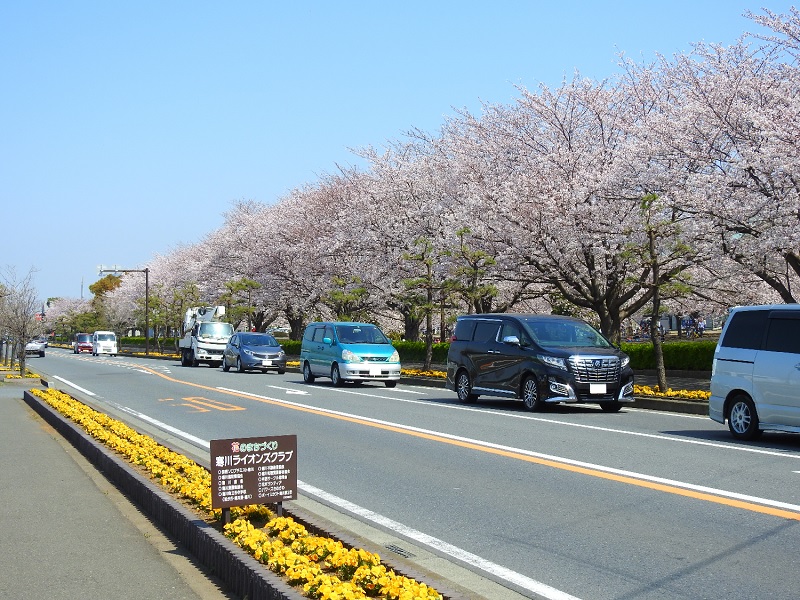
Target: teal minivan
x,y
346,351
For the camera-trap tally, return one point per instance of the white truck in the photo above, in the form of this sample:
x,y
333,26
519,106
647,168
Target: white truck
x,y
205,335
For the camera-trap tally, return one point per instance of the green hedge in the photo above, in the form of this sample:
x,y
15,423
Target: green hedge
x,y
678,356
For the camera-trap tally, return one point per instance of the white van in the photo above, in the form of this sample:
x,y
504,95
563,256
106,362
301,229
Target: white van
x,y
755,378
104,342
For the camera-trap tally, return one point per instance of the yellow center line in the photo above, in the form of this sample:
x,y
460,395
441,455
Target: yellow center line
x,y
661,487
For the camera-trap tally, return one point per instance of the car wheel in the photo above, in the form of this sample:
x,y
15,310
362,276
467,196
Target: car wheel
x,y
192,360
390,383
308,376
530,394
225,366
41,354
611,406
239,367
281,371
336,377
743,419
464,388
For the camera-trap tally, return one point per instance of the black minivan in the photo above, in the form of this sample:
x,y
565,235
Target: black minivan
x,y
540,359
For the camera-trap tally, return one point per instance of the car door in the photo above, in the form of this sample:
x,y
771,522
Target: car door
x,y
776,372
508,358
319,350
229,354
482,353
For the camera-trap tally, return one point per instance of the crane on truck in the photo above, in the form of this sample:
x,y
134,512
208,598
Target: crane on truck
x,y
204,336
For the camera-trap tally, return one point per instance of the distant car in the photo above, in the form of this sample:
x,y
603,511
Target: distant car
x,y
43,339
82,343
35,347
104,342
248,351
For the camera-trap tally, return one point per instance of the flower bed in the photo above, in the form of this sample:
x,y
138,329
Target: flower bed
x,y
322,567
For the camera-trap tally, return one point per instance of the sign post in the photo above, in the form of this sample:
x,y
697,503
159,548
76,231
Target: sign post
x,y
257,470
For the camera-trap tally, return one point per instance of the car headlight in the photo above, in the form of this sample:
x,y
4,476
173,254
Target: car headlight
x,y
395,357
625,362
553,361
348,356
248,352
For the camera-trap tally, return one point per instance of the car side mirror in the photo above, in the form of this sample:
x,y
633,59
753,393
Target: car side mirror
x,y
511,339
327,340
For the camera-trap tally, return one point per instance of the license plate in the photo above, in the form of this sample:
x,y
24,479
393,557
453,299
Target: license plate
x,y
597,388
374,371
266,363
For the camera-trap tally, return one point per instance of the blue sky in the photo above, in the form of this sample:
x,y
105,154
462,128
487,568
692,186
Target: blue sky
x,y
128,128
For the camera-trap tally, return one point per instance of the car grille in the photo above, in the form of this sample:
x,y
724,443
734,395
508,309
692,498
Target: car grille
x,y
375,358
266,355
595,369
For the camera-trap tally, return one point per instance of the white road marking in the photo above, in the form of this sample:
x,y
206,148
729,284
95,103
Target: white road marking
x,y
73,385
289,390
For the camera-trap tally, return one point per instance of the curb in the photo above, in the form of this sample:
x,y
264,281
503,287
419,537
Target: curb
x,y
240,572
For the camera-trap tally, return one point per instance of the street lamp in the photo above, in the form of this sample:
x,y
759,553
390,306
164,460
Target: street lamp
x,y
114,269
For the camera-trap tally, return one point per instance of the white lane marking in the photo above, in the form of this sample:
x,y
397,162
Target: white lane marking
x,y
161,425
463,556
289,390
73,385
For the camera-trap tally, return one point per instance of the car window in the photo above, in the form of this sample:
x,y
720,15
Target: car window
x,y
464,329
319,333
783,335
486,331
510,328
360,334
745,329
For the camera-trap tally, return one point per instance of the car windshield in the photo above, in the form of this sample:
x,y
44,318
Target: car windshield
x,y
566,333
218,330
360,334
105,337
84,338
258,339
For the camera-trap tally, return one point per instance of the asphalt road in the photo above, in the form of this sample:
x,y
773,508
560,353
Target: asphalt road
x,y
570,503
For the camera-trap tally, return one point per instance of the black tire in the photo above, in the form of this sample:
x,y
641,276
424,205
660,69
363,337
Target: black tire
x,y
281,371
464,388
192,360
41,354
336,376
531,397
225,366
184,359
611,407
239,367
743,418
390,383
308,376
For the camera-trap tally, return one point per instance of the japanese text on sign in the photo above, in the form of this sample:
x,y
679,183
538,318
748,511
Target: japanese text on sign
x,y
253,470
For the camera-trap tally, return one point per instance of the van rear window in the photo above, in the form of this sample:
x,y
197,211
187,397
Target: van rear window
x,y
783,335
464,329
746,330
486,331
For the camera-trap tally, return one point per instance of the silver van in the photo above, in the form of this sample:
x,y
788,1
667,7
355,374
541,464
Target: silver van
x,y
348,351
755,377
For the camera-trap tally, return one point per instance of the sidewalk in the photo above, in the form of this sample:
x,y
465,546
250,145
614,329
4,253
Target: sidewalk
x,y
68,532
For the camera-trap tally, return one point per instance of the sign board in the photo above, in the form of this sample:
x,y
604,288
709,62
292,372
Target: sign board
x,y
257,470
